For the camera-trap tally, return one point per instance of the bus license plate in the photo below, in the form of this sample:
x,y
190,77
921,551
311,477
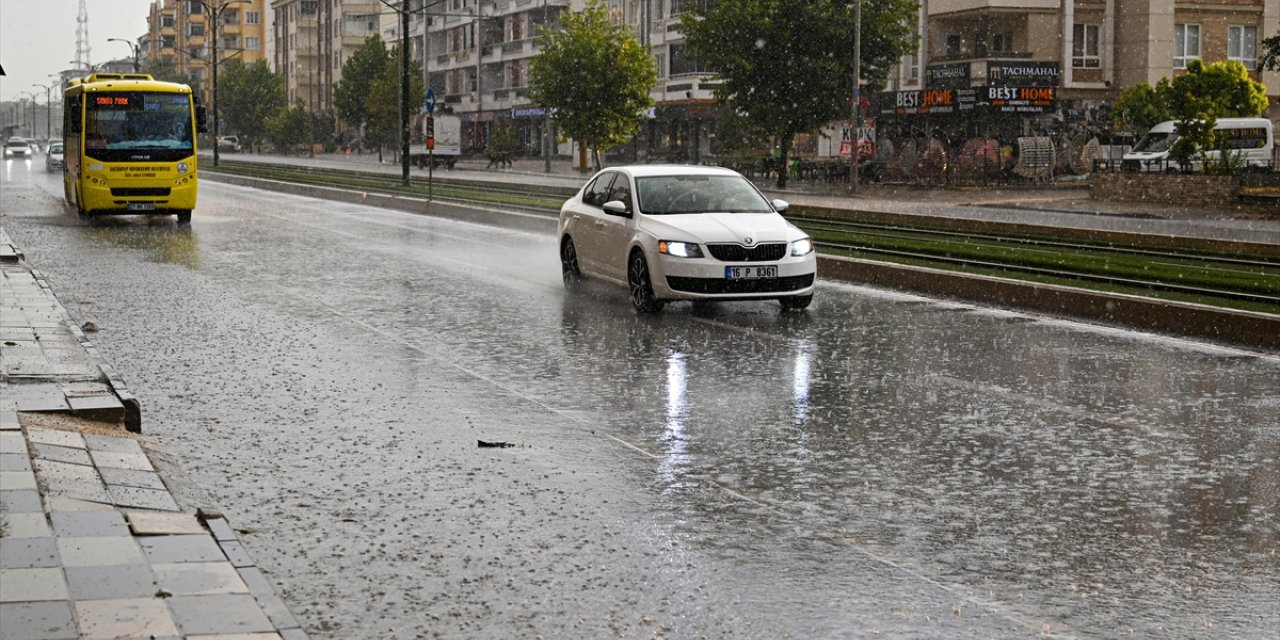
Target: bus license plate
x,y
750,273
142,206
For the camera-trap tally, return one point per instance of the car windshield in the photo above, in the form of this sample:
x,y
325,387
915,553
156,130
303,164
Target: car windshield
x,y
1155,142
57,148
668,195
15,143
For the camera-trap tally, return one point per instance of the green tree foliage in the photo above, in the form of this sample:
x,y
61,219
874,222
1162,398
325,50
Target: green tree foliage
x,y
1195,100
1270,58
367,96
1142,106
351,94
290,127
248,96
595,77
787,65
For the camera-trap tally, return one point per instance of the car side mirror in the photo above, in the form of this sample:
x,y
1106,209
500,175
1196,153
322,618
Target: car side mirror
x,y
616,208
202,119
781,205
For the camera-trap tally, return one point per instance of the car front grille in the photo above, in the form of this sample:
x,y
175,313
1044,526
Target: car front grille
x,y
738,253
724,286
139,191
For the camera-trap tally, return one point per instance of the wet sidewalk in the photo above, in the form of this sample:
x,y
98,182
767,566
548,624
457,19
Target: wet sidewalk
x,y
94,541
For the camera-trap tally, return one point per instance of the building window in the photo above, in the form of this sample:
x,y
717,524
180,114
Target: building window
x,y
194,8
1084,47
166,42
166,21
953,44
682,62
251,17
911,67
660,60
1242,45
252,43
517,78
195,29
1002,42
1186,44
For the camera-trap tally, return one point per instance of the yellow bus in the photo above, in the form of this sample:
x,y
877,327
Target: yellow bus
x,y
130,145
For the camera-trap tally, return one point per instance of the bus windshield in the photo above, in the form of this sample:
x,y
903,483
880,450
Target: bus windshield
x,y
1155,142
138,121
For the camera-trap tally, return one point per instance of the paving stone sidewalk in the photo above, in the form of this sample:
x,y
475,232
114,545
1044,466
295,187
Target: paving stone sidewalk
x,y
93,544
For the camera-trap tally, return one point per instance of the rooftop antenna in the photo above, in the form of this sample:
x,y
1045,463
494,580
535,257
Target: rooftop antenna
x,y
82,38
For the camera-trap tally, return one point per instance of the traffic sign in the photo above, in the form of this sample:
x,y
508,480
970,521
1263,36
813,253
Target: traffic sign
x,y
431,100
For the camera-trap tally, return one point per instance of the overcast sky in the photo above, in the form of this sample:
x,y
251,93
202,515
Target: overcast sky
x,y
38,38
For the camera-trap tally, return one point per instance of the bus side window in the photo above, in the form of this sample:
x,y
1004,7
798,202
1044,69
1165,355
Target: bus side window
x,y
71,115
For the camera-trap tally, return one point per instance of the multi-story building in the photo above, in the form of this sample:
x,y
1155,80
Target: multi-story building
x,y
1011,67
186,33
476,60
312,39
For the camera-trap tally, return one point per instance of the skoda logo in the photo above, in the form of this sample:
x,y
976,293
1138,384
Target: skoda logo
x,y
749,240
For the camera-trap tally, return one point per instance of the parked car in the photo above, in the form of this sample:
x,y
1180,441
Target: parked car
x,y
53,160
17,148
669,232
229,143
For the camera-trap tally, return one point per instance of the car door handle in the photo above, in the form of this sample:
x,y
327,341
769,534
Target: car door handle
x,y
600,223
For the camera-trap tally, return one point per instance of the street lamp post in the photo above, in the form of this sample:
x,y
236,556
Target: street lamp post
x,y
856,125
133,49
214,13
48,111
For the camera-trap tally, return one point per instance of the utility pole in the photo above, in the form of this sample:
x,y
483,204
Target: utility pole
x,y
546,113
214,14
48,112
856,125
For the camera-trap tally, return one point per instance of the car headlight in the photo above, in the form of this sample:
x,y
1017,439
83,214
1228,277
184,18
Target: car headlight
x,y
679,249
802,247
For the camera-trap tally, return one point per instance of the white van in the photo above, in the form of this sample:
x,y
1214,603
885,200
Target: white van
x,y
1253,139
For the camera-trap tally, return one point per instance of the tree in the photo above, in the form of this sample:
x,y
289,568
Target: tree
x,y
290,127
351,95
1141,106
1208,92
368,94
250,94
786,66
595,78
1270,59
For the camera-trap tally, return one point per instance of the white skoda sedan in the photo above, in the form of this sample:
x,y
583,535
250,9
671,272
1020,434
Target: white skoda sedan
x,y
684,233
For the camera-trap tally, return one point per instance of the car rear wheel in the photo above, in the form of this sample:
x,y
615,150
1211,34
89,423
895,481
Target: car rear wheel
x,y
569,264
642,297
796,303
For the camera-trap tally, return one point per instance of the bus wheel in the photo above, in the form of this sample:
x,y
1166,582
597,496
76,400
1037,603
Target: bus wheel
x,y
184,216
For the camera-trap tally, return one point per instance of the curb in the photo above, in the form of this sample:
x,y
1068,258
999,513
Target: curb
x,y
130,408
1226,326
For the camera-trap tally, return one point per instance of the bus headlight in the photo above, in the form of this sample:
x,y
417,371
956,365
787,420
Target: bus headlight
x,y
182,167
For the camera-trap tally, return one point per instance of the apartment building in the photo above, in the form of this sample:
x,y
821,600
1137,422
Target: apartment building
x,y
476,54
312,39
1016,67
186,32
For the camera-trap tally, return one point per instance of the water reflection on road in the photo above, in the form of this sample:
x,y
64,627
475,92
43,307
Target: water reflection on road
x,y
882,464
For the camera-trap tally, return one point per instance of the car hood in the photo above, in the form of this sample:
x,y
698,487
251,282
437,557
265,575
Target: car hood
x,y
722,227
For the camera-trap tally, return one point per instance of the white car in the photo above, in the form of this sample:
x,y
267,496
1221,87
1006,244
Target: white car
x,y
677,232
54,160
17,148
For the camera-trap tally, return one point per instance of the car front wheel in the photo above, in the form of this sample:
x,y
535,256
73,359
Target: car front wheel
x,y
796,303
569,264
642,297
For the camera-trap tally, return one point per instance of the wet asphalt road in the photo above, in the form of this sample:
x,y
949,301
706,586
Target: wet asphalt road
x,y
881,465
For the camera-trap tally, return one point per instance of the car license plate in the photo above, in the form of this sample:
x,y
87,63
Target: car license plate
x,y
142,206
750,273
